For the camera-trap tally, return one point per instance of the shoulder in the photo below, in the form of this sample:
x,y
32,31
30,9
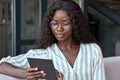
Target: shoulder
x,y
91,45
52,47
37,53
41,52
93,48
97,52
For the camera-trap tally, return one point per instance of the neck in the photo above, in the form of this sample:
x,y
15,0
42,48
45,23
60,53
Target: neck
x,y
67,45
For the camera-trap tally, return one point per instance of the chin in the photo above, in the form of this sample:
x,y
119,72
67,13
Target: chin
x,y
60,39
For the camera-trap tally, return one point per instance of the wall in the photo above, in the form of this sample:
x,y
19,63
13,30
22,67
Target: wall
x,y
5,32
108,33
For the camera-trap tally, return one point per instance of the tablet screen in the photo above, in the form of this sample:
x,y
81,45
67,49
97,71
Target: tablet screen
x,y
45,65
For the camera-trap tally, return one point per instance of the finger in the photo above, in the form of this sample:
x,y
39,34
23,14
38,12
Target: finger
x,y
35,77
36,74
59,74
32,78
32,69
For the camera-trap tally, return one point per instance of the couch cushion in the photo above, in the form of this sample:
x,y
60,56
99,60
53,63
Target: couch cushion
x,y
112,68
5,77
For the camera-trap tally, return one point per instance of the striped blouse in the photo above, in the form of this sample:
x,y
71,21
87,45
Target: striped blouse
x,y
88,64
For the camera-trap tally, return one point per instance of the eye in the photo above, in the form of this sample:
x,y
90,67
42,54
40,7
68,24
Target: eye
x,y
66,23
52,24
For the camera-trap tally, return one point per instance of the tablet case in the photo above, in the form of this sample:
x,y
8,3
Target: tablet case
x,y
45,65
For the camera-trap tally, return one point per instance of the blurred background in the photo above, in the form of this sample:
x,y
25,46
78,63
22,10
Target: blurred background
x,y
20,21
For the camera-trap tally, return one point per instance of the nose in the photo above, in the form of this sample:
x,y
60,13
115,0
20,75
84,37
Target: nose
x,y
59,27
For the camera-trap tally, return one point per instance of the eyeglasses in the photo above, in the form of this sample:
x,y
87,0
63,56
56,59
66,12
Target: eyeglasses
x,y
65,24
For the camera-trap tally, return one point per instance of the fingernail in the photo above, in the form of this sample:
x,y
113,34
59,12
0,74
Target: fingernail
x,y
42,71
36,68
44,74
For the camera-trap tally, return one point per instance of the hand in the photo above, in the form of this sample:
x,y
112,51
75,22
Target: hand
x,y
34,74
60,75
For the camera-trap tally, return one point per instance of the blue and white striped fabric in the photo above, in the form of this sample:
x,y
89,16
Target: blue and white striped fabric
x,y
87,66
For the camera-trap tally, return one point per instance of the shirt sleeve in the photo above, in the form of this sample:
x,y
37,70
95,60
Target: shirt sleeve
x,y
98,65
21,60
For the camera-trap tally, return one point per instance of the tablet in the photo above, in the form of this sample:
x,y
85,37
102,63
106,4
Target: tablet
x,y
45,65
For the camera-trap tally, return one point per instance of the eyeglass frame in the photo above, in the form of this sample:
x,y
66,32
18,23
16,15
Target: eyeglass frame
x,y
64,24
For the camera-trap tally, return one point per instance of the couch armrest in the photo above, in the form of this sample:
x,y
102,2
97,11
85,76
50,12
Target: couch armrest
x,y
112,68
6,77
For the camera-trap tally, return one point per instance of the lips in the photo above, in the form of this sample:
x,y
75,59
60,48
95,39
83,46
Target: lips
x,y
59,35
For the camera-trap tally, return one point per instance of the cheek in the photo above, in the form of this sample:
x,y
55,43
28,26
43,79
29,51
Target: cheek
x,y
53,31
69,31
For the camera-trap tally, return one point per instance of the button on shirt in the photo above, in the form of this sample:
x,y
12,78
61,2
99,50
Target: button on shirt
x,y
88,64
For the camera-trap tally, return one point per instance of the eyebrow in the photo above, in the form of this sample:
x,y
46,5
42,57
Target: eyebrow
x,y
62,20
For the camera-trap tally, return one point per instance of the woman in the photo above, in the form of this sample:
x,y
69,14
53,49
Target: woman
x,y
66,39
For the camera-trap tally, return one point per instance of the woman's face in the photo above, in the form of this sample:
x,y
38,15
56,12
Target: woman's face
x,y
61,26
